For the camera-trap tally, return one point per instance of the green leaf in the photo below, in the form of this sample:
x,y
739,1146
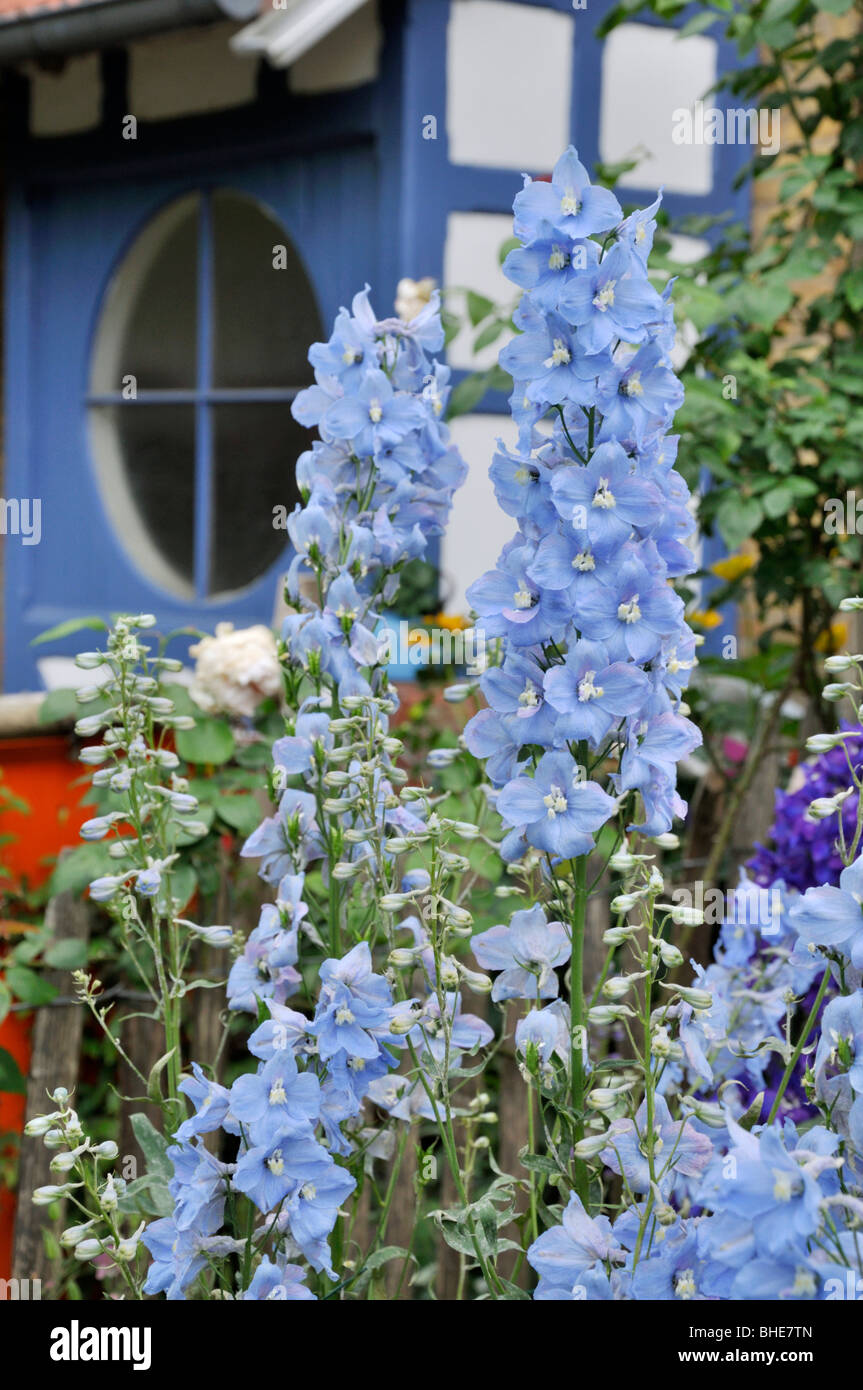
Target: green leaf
x,y
59,705
385,1254
148,1195
478,307
153,1146
205,816
765,303
66,955
539,1163
853,286
184,881
79,867
512,1290
738,517
777,501
65,629
697,24
512,243
242,813
467,394
11,1078
489,334
154,1087
5,1000
29,987
210,743
834,6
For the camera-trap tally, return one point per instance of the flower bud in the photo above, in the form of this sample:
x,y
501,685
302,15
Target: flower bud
x,y
838,690
615,936
480,984
400,1024
609,1013
345,870
851,605
604,1098
401,957
670,955
590,1146
668,840
39,1126
73,1235
698,998
88,1249
92,756
624,902
44,1196
823,807
394,902
823,743
685,916
619,986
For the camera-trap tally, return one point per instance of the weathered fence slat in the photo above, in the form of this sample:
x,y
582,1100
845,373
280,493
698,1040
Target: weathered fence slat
x,y
56,1048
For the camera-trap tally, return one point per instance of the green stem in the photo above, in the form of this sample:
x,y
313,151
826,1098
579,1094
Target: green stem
x,y
576,990
801,1043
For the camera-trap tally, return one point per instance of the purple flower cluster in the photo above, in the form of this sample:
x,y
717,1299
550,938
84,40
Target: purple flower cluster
x,y
801,850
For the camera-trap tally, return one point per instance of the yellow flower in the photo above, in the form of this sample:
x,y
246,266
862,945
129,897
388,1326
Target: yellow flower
x,y
833,641
451,622
733,566
708,618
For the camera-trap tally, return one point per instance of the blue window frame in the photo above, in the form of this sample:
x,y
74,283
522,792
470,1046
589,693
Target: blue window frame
x,y
71,225
264,342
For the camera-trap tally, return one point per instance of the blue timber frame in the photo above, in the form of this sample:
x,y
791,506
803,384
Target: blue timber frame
x,y
400,197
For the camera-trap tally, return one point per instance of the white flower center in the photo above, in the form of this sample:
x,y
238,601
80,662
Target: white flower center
x,y
523,598
633,386
569,205
604,497
350,356
276,1163
528,696
783,1189
684,1284
556,802
629,612
277,1093
376,413
344,1015
586,688
605,298
557,259
584,561
522,476
804,1283
560,355
309,1191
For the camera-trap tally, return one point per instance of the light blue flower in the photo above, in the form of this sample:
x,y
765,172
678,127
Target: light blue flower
x,y
527,952
558,810
833,917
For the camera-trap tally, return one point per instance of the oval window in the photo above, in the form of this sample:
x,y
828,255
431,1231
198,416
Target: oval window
x,y
199,351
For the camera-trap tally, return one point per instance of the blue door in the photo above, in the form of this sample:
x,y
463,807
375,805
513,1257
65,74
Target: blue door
x,y
156,334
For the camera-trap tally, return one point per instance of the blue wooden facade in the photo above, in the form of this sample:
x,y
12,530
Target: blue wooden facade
x,y
360,195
